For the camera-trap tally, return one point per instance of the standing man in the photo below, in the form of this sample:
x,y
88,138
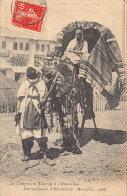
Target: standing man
x,y
32,120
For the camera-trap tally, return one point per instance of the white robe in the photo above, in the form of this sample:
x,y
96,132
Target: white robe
x,y
24,90
82,56
72,44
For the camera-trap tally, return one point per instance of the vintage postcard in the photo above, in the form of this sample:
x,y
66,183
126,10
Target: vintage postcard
x,y
63,97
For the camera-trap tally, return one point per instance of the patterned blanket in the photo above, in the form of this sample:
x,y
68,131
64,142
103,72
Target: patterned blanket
x,y
101,63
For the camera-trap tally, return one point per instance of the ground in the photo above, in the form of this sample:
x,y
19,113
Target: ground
x,y
103,157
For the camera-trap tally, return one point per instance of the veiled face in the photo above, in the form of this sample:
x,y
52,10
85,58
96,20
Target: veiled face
x,y
78,34
31,73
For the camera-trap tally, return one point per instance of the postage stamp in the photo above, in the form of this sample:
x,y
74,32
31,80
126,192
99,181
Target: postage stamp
x,y
28,16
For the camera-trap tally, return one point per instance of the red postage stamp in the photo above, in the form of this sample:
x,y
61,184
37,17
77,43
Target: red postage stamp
x,y
28,16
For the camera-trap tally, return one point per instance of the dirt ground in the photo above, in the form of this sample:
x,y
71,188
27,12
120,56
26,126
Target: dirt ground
x,y
103,157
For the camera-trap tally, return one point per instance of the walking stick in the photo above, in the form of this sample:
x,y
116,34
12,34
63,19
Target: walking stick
x,y
73,120
18,124
43,134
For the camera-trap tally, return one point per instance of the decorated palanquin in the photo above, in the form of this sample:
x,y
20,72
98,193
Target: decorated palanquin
x,y
104,72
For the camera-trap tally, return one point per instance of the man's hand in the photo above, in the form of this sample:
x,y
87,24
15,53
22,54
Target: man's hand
x,y
79,53
18,117
112,89
63,59
71,57
85,56
41,105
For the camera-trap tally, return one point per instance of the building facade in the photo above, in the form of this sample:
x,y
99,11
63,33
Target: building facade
x,y
20,52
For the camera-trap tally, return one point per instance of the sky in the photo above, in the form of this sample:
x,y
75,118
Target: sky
x,y
62,12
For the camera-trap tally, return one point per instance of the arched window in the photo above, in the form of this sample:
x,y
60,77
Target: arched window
x,y
15,46
27,47
36,60
48,47
42,47
3,45
21,46
37,46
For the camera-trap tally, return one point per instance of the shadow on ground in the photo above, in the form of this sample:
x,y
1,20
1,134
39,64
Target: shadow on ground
x,y
109,137
103,135
52,153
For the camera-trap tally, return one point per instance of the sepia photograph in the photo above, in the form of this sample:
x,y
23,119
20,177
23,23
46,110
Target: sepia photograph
x,y
63,98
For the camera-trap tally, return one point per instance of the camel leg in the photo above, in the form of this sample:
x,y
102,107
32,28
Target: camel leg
x,y
83,122
94,124
96,133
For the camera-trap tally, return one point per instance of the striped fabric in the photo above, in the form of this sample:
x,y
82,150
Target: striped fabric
x,y
101,63
83,69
